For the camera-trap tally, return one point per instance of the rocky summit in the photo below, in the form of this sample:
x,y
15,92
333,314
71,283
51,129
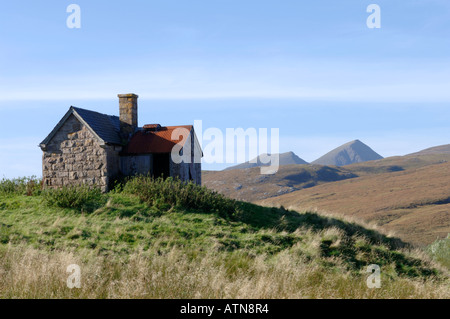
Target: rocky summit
x,y
349,153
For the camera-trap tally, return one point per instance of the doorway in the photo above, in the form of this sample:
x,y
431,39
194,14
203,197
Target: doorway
x,y
161,165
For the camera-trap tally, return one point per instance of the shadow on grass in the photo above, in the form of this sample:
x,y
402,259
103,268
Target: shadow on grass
x,y
377,248
282,219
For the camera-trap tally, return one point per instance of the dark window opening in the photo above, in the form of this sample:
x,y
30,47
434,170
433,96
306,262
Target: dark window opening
x,y
161,165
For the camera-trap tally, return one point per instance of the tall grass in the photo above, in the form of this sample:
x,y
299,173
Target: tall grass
x,y
440,251
29,273
170,192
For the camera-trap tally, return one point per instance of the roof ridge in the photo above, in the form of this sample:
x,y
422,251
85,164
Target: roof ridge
x,y
80,108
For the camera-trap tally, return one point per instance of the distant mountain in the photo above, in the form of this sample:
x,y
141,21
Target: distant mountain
x,y
349,153
252,186
288,158
442,149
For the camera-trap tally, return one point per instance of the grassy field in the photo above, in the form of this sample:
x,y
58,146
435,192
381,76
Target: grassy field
x,y
166,240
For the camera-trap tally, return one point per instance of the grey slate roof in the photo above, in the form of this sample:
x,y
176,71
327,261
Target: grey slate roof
x,y
106,127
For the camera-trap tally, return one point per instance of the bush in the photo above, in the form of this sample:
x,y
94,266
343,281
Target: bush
x,y
440,251
29,186
170,192
80,197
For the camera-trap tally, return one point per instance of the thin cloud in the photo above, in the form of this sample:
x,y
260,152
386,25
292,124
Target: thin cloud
x,y
314,80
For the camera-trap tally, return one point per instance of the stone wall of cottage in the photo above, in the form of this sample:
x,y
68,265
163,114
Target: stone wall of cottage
x,y
74,156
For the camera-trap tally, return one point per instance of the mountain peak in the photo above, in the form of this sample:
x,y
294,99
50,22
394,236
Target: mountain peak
x,y
288,158
348,153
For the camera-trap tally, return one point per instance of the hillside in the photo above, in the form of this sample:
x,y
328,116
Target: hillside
x,y
250,185
397,163
415,203
349,153
442,149
288,158
167,240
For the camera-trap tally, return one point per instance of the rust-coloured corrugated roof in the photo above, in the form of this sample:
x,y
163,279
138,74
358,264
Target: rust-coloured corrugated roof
x,y
145,142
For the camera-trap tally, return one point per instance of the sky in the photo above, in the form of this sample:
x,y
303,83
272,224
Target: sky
x,y
312,69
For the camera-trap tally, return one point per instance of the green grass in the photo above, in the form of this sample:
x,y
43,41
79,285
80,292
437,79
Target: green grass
x,y
133,220
30,186
82,197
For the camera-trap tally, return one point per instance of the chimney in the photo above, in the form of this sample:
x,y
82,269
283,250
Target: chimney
x,y
128,113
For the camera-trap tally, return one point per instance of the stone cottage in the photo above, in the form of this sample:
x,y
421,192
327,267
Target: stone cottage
x,y
96,149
